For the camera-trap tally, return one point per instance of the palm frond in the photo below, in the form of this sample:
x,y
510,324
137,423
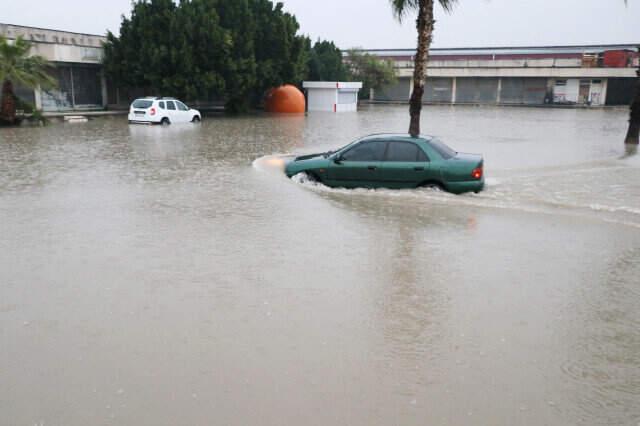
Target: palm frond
x,y
402,7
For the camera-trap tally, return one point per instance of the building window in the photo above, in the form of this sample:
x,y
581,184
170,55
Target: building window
x,y
561,82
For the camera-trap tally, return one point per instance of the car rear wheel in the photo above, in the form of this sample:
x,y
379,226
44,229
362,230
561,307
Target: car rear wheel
x,y
165,121
196,119
433,185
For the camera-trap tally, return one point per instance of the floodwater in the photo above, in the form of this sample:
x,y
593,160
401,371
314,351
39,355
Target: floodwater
x,y
173,276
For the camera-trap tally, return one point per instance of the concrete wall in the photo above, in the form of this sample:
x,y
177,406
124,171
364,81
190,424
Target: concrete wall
x,y
321,99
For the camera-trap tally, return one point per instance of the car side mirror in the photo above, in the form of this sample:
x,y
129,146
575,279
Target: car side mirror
x,y
337,159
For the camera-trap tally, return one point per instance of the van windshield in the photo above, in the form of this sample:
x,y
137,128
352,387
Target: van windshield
x,y
142,103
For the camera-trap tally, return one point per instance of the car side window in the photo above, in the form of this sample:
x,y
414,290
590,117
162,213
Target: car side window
x,y
181,106
171,106
161,105
366,151
422,156
403,152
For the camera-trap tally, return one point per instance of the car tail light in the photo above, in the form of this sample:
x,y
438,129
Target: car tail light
x,y
477,173
152,111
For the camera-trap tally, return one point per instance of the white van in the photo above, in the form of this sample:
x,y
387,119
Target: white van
x,y
162,111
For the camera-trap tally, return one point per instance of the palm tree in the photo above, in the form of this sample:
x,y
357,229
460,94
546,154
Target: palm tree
x,y
17,66
633,134
424,24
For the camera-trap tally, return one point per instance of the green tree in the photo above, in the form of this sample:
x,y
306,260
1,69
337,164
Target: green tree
x,y
232,48
281,54
326,63
374,72
424,24
17,66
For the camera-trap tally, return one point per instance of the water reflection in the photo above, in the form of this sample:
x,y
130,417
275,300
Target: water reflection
x,y
630,150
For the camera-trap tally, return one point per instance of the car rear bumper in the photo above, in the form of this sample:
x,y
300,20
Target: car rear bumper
x,y
465,186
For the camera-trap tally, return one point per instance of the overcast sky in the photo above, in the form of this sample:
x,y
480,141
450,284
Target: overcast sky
x,y
370,23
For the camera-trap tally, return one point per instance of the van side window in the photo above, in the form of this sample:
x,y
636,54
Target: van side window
x,y
181,106
171,106
161,105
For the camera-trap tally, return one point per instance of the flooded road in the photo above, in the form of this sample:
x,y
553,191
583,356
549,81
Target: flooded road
x,y
172,276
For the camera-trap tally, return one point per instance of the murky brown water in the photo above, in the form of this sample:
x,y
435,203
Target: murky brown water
x,y
158,276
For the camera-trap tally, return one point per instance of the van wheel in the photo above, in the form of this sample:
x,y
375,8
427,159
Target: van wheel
x,y
165,121
196,119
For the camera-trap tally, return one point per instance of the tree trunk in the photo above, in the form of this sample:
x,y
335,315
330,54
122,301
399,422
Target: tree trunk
x,y
633,135
424,24
8,103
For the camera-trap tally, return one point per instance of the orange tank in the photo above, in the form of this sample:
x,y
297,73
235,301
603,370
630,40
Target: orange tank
x,y
285,99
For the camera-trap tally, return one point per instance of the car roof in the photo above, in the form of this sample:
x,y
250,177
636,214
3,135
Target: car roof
x,y
396,136
156,98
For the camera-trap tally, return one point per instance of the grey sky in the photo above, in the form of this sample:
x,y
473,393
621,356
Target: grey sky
x,y
370,24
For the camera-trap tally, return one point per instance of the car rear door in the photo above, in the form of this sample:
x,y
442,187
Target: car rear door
x,y
359,165
405,165
172,112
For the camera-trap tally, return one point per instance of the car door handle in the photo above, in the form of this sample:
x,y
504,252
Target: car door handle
x,y
419,169
371,167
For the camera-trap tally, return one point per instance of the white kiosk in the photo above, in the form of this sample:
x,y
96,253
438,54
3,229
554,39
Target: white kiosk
x,y
332,96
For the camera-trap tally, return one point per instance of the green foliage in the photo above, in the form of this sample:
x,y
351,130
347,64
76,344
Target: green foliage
x,y
235,49
402,7
373,72
326,64
18,67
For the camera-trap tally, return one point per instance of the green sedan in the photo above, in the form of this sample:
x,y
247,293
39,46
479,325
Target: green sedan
x,y
394,161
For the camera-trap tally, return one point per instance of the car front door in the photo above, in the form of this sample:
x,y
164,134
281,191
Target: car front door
x,y
183,112
405,165
359,166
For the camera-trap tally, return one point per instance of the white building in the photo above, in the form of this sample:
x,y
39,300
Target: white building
x,y
565,75
78,68
332,96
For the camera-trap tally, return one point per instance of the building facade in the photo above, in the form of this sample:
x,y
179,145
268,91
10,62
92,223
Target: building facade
x,y
77,67
573,75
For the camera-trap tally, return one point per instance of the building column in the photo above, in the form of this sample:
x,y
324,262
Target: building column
x,y
37,96
454,89
73,90
105,93
604,91
499,96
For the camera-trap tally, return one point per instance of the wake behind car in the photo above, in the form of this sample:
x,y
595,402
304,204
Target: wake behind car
x,y
155,110
394,161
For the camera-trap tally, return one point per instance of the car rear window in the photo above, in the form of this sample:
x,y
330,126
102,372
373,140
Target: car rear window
x,y
442,149
142,103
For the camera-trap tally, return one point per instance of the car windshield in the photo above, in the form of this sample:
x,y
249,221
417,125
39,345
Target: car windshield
x,y
142,103
442,149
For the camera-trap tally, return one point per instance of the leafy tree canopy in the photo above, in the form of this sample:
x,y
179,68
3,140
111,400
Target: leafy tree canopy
x,y
373,72
235,49
326,64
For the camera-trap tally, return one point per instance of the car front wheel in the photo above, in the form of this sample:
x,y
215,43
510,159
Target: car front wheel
x,y
196,119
